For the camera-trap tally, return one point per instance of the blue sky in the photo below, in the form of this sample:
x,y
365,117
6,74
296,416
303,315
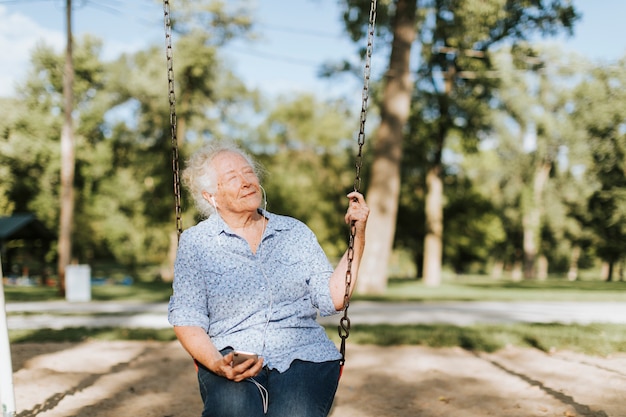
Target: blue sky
x,y
296,36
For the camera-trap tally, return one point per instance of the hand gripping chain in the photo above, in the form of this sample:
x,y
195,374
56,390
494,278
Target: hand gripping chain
x,y
344,323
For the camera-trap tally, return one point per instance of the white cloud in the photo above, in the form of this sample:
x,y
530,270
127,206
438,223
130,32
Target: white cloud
x,y
18,36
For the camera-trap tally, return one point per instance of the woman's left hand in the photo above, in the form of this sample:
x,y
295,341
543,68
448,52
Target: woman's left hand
x,y
358,211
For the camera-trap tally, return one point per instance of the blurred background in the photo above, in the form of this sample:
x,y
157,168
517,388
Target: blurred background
x,y
495,138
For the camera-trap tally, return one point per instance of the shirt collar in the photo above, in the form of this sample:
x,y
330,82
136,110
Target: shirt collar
x,y
275,223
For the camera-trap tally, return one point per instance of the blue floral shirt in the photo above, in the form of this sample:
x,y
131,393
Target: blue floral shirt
x,y
266,303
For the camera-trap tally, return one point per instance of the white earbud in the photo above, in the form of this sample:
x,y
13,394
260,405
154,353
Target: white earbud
x,y
213,201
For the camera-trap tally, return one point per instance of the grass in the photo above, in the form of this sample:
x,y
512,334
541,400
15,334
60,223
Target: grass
x,y
82,334
465,288
596,339
148,292
480,288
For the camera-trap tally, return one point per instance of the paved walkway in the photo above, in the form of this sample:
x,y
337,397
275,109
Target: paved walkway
x,y
63,314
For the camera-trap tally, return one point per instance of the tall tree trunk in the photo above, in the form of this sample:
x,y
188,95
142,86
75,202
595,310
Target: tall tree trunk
x,y
497,269
384,189
529,223
516,271
67,160
532,219
433,240
605,271
572,273
609,272
167,270
542,267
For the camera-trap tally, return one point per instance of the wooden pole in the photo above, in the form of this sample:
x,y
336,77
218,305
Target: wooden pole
x,y
67,159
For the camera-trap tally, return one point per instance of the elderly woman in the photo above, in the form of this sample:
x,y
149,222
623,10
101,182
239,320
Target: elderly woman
x,y
247,280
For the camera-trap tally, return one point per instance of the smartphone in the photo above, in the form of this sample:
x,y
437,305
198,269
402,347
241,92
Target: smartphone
x,y
240,357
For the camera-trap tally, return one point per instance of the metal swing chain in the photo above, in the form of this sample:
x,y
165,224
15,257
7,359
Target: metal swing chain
x,y
344,323
172,99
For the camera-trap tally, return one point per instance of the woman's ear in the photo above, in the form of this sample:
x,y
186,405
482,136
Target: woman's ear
x,y
208,197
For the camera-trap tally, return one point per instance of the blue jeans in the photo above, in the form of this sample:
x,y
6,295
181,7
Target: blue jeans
x,y
306,389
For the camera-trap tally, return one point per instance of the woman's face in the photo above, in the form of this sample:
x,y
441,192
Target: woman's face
x,y
238,188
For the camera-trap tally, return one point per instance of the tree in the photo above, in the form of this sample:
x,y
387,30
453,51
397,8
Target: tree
x,y
453,35
32,131
67,158
473,226
123,150
457,67
536,105
530,164
384,187
454,89
601,113
208,102
301,136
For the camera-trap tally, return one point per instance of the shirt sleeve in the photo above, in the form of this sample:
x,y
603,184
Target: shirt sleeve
x,y
321,270
188,305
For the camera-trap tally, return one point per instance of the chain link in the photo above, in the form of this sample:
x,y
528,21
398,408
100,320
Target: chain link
x,y
344,323
172,99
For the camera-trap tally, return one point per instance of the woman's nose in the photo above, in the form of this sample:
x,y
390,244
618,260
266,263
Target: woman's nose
x,y
247,180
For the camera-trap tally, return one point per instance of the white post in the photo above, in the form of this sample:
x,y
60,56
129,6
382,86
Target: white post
x,y
7,394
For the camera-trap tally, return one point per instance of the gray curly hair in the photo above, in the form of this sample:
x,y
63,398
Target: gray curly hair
x,y
199,175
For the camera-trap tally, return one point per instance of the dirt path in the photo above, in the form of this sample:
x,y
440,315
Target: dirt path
x,y
155,379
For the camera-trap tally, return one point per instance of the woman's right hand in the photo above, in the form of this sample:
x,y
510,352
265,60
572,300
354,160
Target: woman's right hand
x,y
196,341
247,369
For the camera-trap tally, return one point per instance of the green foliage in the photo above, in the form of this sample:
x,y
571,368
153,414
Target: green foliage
x,y
452,113
306,147
466,241
124,202
122,134
601,114
223,21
